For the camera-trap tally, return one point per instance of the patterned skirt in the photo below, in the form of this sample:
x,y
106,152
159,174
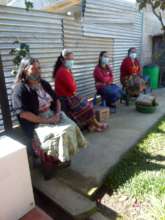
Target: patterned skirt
x,y
134,85
78,109
60,141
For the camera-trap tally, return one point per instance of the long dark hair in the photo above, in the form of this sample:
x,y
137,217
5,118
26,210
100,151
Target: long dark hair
x,y
100,57
57,65
25,62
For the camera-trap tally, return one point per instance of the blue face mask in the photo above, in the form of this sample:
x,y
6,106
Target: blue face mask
x,y
105,60
33,77
69,64
133,55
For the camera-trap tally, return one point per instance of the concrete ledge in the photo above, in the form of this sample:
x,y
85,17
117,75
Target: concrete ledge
x,y
98,216
127,127
72,202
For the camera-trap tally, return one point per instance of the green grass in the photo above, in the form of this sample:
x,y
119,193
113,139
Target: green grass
x,y
141,172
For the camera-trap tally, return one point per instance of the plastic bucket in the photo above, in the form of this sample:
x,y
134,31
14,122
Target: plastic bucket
x,y
153,72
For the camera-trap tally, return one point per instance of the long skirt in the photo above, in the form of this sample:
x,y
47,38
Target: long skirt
x,y
134,85
62,140
111,93
78,109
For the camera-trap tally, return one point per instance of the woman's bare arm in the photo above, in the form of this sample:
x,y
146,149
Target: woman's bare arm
x,y
58,106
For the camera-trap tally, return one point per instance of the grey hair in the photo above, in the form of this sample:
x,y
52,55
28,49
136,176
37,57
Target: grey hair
x,y
25,62
66,52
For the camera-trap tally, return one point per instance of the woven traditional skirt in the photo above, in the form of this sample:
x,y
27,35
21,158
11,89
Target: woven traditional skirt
x,y
62,140
78,109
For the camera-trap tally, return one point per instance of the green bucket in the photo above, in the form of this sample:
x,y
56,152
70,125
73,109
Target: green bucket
x,y
153,72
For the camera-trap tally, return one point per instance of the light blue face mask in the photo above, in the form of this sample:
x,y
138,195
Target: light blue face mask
x,y
33,77
133,55
69,64
105,60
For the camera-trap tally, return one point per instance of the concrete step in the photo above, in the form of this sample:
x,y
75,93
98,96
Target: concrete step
x,y
76,181
77,205
98,216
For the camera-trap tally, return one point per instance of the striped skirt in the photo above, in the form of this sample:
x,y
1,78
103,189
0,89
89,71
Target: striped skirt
x,y
78,109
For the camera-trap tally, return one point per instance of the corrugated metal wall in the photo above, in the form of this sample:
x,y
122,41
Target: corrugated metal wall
x,y
107,25
1,121
86,50
42,31
114,19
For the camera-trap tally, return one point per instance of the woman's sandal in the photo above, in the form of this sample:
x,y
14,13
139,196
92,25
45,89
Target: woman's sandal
x,y
95,129
104,126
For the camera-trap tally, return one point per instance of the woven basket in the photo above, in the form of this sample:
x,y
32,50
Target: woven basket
x,y
145,109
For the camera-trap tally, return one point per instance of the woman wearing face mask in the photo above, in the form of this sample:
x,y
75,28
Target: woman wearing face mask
x,y
76,107
39,113
104,80
130,74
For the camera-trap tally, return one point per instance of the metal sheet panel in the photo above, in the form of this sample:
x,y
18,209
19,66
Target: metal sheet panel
x,y
119,20
1,122
86,50
41,30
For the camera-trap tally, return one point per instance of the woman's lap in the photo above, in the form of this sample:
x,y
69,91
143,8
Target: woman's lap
x,y
66,136
135,85
111,92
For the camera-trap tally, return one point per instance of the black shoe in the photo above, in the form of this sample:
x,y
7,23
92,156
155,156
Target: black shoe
x,y
48,171
64,164
112,108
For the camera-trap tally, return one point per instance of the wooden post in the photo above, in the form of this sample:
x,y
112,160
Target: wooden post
x,y
4,103
62,6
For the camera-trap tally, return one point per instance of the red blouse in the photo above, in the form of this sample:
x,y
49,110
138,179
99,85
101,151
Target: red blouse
x,y
65,84
102,76
128,67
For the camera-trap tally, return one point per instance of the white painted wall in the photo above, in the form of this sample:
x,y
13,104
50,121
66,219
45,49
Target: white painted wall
x,y
151,27
15,181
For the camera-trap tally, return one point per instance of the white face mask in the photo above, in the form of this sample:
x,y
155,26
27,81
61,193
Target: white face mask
x,y
133,55
69,64
105,60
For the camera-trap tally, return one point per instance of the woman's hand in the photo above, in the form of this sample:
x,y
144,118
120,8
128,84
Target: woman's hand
x,y
55,119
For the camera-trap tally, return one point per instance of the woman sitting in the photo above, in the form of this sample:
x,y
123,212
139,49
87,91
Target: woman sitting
x,y
76,107
130,74
104,81
39,113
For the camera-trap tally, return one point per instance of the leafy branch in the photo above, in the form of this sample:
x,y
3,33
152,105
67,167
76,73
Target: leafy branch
x,y
157,7
20,51
28,5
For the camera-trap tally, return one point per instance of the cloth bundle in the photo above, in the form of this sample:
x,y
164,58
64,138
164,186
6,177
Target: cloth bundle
x,y
146,100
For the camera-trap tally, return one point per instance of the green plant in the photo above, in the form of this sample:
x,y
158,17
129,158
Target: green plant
x,y
157,7
20,51
28,5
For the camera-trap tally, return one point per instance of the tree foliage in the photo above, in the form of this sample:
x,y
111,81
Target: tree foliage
x,y
28,5
20,51
157,6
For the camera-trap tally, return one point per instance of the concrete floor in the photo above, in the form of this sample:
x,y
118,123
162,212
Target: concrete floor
x,y
127,126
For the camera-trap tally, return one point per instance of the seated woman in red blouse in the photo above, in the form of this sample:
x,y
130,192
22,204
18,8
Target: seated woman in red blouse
x,y
76,107
104,80
130,73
